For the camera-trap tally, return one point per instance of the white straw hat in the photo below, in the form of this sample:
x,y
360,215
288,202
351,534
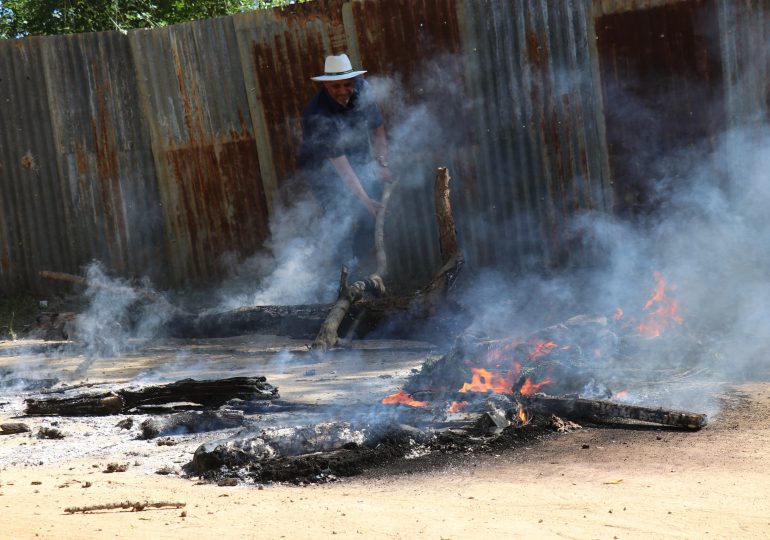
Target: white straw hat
x,y
338,68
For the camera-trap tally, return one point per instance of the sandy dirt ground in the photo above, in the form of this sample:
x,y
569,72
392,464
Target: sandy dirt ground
x,y
598,482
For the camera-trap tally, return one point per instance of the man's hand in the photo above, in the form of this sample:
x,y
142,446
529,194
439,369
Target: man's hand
x,y
372,205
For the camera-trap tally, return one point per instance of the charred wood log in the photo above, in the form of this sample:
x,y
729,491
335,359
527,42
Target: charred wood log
x,y
299,322
607,411
210,394
87,405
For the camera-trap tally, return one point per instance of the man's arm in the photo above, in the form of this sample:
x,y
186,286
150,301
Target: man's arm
x,y
350,179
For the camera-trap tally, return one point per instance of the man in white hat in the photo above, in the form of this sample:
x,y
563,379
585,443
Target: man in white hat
x,y
344,147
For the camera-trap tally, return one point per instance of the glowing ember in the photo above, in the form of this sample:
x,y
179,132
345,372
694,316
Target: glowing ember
x,y
486,381
457,406
529,388
663,311
402,398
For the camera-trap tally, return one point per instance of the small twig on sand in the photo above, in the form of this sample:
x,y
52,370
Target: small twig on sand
x,y
126,505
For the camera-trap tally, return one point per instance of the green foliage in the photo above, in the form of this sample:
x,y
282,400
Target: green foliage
x,y
17,313
20,18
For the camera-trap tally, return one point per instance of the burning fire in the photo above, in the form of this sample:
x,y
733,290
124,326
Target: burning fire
x,y
663,311
529,388
484,380
403,398
457,406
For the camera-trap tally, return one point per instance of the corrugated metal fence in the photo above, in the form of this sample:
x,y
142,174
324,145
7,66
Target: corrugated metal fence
x,y
159,150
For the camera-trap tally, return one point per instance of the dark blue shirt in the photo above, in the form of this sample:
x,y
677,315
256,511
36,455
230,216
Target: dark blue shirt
x,y
331,130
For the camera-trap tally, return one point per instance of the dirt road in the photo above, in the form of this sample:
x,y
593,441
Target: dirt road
x,y
593,483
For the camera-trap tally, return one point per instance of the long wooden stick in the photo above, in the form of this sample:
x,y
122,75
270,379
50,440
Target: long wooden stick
x,y
447,233
134,506
379,232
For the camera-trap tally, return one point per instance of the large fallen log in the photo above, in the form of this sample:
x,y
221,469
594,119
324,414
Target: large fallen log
x,y
297,321
210,394
606,411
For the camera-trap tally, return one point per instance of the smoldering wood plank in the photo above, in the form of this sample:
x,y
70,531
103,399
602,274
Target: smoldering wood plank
x,y
606,411
101,404
209,393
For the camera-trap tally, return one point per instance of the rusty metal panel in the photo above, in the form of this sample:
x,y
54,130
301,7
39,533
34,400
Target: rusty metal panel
x,y
194,99
744,37
542,157
102,147
663,92
33,226
166,147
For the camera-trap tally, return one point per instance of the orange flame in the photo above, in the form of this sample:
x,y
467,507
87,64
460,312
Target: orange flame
x,y
522,416
665,313
457,406
529,388
620,395
484,381
403,398
542,348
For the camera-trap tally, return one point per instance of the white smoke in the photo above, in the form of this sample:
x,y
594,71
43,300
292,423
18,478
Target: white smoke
x,y
119,316
300,263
